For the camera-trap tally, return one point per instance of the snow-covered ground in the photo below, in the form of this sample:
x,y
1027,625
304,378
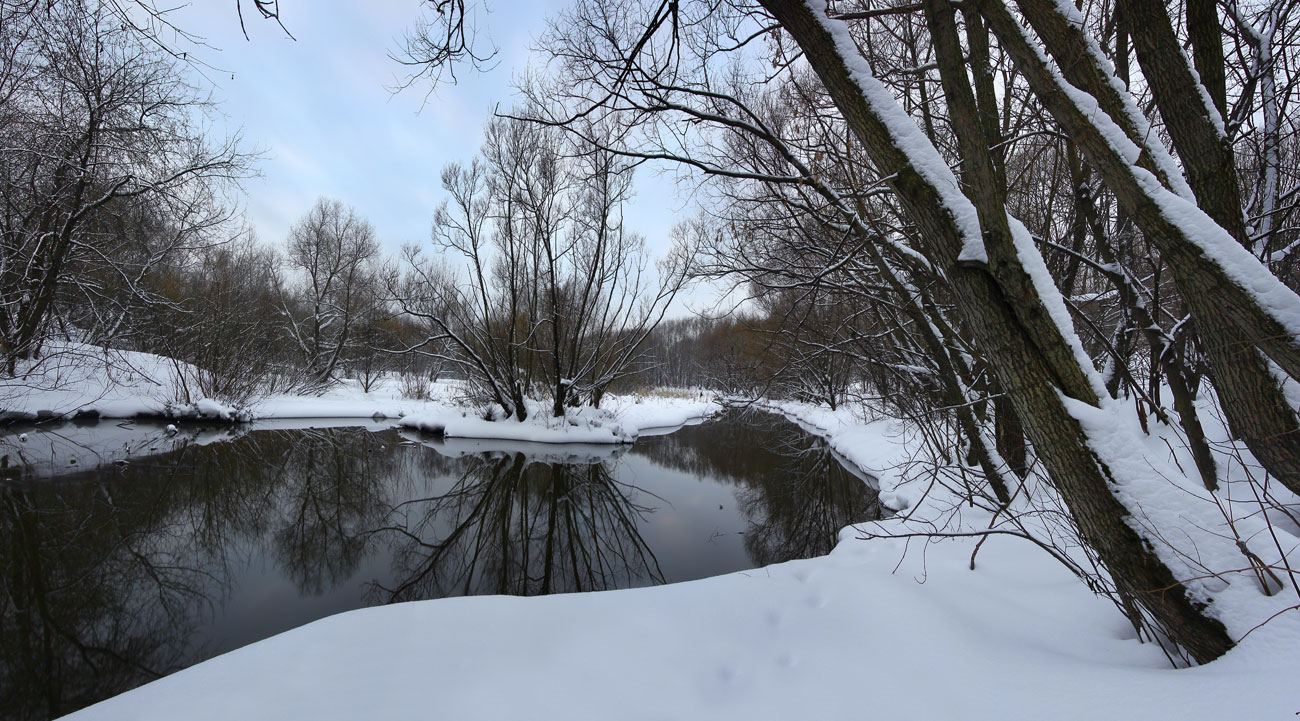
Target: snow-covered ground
x,y
85,381
887,627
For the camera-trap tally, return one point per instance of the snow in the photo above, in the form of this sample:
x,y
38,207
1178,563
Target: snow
x,y
877,448
924,627
819,639
922,154
1034,265
1169,506
54,449
908,138
75,378
791,640
535,452
84,381
902,629
621,421
1132,113
1273,296
78,447
1211,111
1201,537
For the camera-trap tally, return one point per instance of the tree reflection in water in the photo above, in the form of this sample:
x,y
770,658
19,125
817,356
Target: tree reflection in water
x,y
112,576
96,597
108,576
792,489
516,525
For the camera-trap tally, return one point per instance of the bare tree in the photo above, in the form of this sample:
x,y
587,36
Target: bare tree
x,y
555,298
97,126
330,256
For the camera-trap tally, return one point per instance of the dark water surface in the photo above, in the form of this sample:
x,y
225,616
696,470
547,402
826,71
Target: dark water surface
x,y
112,574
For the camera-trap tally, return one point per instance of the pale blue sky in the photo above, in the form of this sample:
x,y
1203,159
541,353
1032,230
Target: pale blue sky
x,y
321,109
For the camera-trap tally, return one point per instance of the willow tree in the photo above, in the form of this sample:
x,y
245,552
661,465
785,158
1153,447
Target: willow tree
x,y
541,289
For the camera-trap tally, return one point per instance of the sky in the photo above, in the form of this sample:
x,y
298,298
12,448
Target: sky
x,y
320,108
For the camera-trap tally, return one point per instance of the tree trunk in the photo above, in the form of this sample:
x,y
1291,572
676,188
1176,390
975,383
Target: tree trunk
x,y
1034,377
1188,113
1206,34
1229,317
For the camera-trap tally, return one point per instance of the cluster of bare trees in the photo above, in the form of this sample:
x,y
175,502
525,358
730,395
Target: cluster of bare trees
x,y
119,228
106,172
1025,217
118,216
218,323
537,289
787,347
240,318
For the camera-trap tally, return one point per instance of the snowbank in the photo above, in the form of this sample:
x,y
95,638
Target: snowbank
x,y
824,638
897,628
535,452
620,421
819,639
880,448
80,381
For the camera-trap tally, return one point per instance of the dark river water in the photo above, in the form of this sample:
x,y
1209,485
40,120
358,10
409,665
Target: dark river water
x,y
127,553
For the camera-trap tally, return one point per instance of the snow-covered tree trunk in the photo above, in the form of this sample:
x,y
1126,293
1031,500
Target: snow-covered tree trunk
x,y
1194,123
1237,304
1026,345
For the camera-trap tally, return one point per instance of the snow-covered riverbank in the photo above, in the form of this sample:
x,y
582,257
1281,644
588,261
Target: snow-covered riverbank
x,y
89,382
888,627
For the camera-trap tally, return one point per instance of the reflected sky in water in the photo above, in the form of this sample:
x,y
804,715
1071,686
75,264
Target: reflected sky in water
x,y
128,553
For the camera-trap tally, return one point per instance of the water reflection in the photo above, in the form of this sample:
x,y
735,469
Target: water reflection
x,y
512,525
100,594
153,552
790,486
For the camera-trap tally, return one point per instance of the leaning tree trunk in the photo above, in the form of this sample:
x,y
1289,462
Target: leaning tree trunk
x,y
1009,435
1230,318
1189,113
1009,323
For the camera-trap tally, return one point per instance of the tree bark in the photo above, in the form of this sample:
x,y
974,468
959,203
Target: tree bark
x,y
1228,316
1204,150
1206,34
1032,381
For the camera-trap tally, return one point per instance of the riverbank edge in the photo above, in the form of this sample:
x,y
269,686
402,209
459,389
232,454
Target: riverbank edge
x,y
82,383
1016,637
